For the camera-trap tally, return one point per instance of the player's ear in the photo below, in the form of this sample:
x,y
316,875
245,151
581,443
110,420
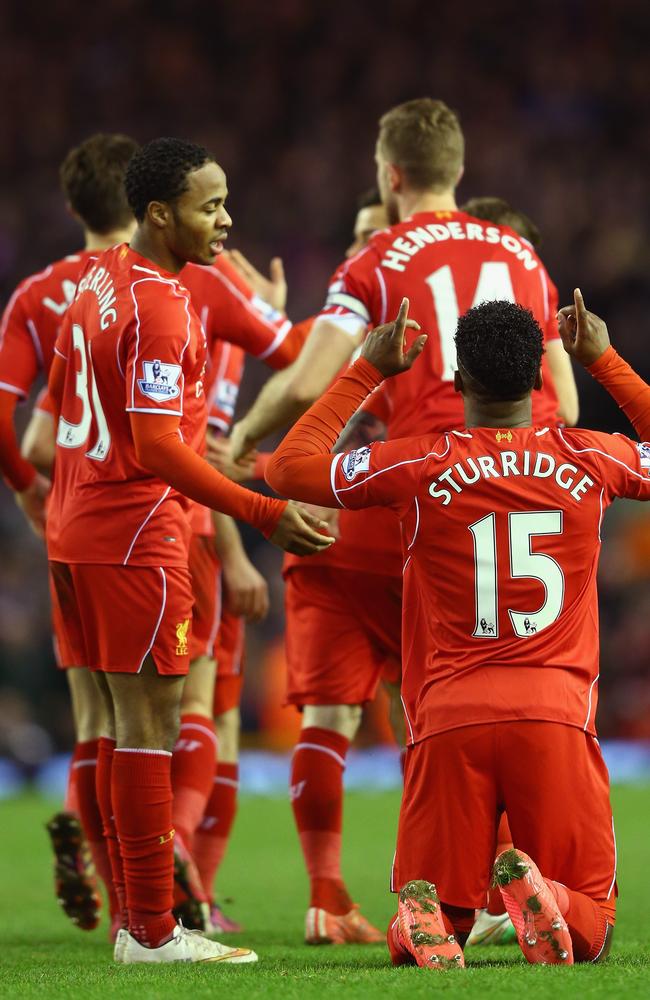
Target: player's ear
x,y
460,175
158,213
458,382
395,177
539,380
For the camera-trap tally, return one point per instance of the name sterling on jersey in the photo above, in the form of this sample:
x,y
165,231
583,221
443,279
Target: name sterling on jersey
x,y
405,247
508,463
99,281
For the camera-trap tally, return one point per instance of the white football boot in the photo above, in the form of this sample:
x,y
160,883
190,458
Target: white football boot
x,y
490,929
184,946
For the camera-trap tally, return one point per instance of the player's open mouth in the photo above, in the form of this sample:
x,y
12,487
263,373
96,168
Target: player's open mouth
x,y
216,246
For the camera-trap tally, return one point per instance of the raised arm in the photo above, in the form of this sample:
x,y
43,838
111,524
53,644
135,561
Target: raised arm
x,y
287,395
301,465
585,337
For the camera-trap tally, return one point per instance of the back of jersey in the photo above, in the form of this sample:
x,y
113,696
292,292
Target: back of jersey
x,y
445,263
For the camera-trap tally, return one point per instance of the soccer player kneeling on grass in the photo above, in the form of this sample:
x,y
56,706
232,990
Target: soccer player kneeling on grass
x,y
501,529
127,385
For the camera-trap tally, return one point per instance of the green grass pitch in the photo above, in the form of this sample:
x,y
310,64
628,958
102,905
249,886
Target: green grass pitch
x,y
42,955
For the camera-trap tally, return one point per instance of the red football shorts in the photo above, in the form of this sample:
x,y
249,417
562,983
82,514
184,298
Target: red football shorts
x,y
229,654
343,630
550,779
205,573
111,617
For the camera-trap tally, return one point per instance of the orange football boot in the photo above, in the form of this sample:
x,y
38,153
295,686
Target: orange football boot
x,y
422,931
322,927
541,929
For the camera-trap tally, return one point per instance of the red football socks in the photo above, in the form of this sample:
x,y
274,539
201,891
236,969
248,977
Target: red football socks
x,y
103,777
316,791
71,800
85,769
211,838
142,800
192,773
586,920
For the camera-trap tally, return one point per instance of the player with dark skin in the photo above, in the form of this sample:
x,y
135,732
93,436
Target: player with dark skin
x,y
192,228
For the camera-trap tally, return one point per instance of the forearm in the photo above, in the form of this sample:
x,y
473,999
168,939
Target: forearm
x,y
626,387
276,406
301,465
18,473
166,456
361,430
227,540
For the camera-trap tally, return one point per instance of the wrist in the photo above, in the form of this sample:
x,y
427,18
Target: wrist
x,y
608,356
369,374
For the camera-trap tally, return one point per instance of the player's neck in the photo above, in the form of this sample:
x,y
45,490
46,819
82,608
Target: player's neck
x,y
411,202
479,413
102,241
155,251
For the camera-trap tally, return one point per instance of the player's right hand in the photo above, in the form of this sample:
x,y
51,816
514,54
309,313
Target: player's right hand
x,y
584,335
384,346
32,502
272,289
218,454
299,532
239,442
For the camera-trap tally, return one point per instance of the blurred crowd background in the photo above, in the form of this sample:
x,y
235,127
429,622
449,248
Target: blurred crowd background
x,y
553,98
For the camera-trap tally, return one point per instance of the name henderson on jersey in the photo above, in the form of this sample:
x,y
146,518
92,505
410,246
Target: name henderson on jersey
x,y
407,246
537,464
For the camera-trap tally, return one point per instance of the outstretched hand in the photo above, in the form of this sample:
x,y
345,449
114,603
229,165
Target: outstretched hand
x,y
300,532
384,346
584,335
272,289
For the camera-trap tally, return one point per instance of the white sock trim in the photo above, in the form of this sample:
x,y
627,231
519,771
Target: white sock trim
x,y
316,746
157,753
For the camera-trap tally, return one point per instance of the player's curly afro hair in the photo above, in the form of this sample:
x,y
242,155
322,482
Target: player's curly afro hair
x,y
500,345
158,172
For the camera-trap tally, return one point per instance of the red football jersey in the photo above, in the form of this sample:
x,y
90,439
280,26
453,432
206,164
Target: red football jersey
x,y
31,321
445,263
133,344
229,310
501,539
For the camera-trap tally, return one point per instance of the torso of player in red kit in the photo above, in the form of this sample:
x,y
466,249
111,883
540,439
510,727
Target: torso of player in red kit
x,y
235,322
32,319
133,344
445,263
502,538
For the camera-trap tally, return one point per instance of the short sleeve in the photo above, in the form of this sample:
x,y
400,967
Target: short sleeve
x,y
19,361
155,349
228,368
234,312
384,474
551,304
352,300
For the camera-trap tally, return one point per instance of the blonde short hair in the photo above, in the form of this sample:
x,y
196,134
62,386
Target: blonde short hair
x,y
424,138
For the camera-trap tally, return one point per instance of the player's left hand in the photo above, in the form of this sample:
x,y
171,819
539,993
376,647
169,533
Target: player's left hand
x,y
384,346
247,592
300,532
272,289
32,503
584,335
